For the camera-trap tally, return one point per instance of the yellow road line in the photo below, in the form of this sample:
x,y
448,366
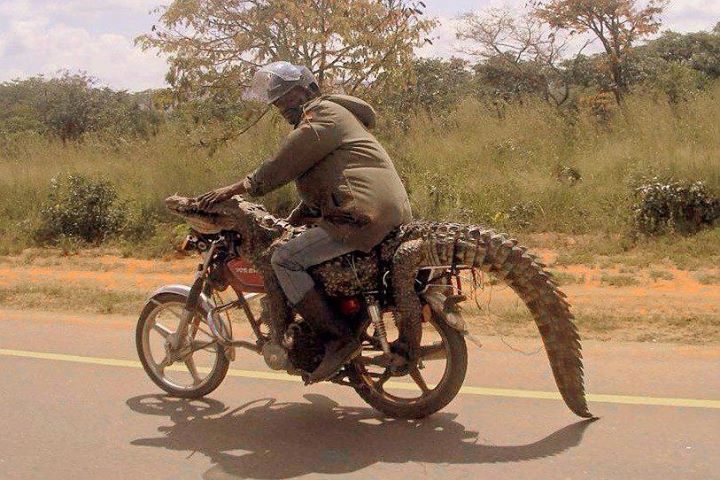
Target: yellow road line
x,y
481,391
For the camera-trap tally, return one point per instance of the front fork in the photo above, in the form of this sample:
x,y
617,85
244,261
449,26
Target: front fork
x,y
179,338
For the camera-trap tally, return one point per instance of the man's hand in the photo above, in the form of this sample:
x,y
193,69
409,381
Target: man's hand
x,y
209,199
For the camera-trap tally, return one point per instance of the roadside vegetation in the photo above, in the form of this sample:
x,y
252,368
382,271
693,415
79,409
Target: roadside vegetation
x,y
532,169
620,148
682,309
607,164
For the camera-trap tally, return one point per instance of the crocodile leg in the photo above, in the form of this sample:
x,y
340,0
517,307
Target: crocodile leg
x,y
405,265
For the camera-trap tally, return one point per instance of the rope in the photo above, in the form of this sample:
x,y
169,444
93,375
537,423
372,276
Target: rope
x,y
490,316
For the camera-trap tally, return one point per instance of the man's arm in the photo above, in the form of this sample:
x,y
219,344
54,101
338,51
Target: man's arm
x,y
315,138
302,215
224,193
312,141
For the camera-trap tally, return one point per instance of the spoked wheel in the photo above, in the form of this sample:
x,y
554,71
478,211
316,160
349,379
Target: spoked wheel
x,y
194,370
400,388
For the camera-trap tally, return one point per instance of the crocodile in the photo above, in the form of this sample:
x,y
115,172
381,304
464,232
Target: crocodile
x,y
411,247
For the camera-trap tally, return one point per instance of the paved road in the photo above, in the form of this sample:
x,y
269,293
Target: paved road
x,y
75,405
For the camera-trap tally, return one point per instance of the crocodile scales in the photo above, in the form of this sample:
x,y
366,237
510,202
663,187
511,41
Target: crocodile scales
x,y
412,246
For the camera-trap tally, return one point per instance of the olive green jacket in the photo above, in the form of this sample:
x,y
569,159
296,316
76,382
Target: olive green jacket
x,y
342,173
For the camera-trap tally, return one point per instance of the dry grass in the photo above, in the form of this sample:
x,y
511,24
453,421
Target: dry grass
x,y
565,278
60,296
661,275
477,166
607,251
619,280
470,165
708,278
98,282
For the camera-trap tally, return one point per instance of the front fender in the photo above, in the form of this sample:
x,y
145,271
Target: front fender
x,y
205,302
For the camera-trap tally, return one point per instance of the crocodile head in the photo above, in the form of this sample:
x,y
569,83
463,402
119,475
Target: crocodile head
x,y
257,228
223,216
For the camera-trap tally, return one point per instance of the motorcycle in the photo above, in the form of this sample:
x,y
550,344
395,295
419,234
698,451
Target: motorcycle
x,y
185,336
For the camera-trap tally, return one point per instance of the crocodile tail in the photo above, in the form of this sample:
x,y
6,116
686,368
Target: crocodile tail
x,y
505,259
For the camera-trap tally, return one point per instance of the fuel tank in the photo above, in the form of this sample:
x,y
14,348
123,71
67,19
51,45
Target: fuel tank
x,y
244,277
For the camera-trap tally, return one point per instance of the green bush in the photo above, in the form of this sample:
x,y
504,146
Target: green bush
x,y
681,207
140,223
80,208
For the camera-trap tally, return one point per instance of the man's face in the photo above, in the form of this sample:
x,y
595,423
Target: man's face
x,y
290,104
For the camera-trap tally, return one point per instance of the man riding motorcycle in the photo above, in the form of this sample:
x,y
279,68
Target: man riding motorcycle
x,y
348,188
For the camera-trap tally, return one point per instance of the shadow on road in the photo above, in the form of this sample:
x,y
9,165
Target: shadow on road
x,y
270,440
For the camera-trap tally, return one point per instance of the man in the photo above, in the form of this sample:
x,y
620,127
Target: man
x,y
347,183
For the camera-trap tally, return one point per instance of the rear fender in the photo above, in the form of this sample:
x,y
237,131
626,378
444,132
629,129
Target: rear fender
x,y
446,309
442,308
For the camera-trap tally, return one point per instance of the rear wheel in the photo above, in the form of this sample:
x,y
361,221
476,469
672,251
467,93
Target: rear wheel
x,y
194,371
426,385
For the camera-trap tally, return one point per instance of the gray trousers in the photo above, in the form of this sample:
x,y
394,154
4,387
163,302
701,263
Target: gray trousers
x,y
291,260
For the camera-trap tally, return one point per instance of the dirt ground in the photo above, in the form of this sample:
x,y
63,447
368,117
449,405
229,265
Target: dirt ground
x,y
657,304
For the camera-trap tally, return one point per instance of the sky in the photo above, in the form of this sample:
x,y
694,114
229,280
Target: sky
x,y
96,36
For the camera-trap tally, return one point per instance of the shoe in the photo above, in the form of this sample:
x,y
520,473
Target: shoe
x,y
337,354
341,347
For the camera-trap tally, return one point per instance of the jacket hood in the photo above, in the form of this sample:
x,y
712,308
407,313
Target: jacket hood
x,y
361,109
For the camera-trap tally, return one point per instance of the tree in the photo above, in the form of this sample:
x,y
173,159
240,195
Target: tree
x,y
347,43
519,54
618,24
436,86
70,105
698,50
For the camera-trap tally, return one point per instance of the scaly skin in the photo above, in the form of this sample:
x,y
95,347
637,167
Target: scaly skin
x,y
259,231
408,308
413,246
481,248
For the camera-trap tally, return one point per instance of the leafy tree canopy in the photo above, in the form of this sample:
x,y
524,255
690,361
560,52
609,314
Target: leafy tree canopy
x,y
349,44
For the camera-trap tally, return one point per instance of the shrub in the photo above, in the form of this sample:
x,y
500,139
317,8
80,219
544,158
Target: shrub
x,y
601,106
682,207
523,214
80,208
140,223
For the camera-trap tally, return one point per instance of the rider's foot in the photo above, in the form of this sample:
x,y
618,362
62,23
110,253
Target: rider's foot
x,y
337,354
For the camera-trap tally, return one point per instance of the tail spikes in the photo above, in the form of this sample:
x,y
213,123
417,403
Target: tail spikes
x,y
526,275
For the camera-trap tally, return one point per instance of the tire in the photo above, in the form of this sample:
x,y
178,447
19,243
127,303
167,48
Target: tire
x,y
445,392
218,371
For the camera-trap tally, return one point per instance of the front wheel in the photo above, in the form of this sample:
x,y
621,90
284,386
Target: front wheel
x,y
201,364
436,376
